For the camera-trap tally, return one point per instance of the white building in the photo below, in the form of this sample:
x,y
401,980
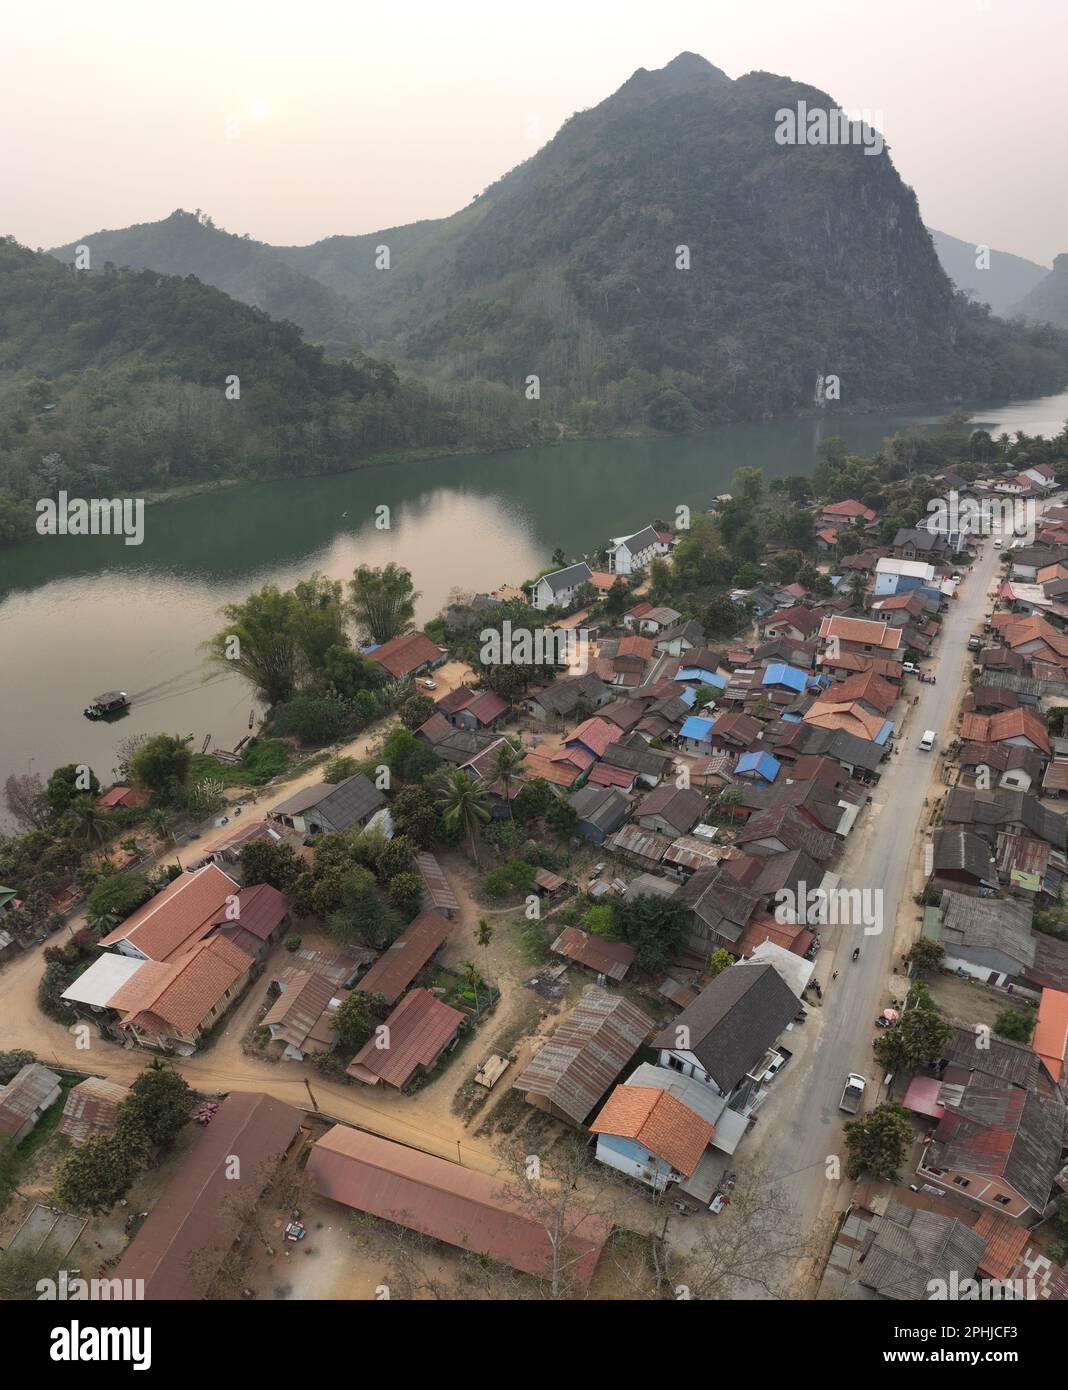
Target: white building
x,y
628,554
558,589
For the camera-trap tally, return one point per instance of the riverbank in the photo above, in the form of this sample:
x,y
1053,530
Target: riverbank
x,y
83,614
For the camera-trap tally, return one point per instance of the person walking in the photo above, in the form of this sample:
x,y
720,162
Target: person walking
x,y
834,974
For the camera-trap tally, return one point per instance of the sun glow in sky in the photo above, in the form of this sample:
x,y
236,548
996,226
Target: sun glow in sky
x,y
118,113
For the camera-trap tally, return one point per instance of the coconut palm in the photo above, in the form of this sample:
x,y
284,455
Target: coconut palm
x,y
507,761
90,825
483,932
463,803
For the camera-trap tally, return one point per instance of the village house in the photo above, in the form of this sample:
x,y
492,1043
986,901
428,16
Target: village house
x,y
174,920
848,513
610,959
647,1134
255,921
600,811
963,861
999,1145
299,1020
682,636
989,939
859,635
327,807
443,1201
1017,728
410,655
170,1004
570,1073
904,1249
565,695
401,962
92,1108
731,1031
560,588
797,623
986,813
30,1092
419,1030
473,709
1001,767
671,810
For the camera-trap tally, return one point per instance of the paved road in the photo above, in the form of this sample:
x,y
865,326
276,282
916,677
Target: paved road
x,y
800,1125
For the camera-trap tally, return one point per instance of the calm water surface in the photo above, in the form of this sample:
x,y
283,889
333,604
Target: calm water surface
x,y
79,615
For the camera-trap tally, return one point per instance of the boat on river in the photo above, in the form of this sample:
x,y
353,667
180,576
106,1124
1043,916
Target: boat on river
x,y
110,705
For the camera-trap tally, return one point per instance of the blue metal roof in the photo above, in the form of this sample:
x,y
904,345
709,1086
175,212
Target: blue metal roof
x,y
778,673
695,728
763,763
698,673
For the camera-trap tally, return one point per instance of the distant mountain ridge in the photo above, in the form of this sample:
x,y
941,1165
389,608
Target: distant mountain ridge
x,y
247,270
1002,285
662,255
1048,300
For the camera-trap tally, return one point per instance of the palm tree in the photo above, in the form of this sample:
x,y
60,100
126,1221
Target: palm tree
x,y
463,802
507,761
159,823
92,827
858,590
474,979
483,932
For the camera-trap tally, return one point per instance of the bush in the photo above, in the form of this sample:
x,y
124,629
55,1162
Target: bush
x,y
513,877
340,768
292,941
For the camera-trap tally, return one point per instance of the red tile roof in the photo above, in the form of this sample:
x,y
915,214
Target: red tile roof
x,y
659,1122
403,655
180,993
168,924
596,734
258,910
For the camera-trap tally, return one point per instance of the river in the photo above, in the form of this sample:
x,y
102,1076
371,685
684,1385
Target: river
x,y
79,615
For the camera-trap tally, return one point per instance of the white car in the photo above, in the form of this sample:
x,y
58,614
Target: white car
x,y
429,685
910,668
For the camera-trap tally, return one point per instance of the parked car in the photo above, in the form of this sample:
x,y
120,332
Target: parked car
x,y
974,643
429,685
910,668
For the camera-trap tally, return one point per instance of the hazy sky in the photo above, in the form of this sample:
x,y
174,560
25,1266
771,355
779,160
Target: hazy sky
x,y
355,117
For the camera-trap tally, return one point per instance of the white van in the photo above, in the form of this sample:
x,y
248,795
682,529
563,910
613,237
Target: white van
x,y
928,741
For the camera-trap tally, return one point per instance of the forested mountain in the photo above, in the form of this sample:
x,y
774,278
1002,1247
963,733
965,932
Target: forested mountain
x,y
1001,285
804,260
120,380
1048,301
188,244
662,260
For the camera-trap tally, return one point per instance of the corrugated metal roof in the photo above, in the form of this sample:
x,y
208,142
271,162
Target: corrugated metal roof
x,y
188,1221
611,958
460,1206
416,1031
399,964
586,1053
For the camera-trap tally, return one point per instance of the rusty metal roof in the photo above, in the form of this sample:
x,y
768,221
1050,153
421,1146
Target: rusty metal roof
x,y
587,1052
460,1206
